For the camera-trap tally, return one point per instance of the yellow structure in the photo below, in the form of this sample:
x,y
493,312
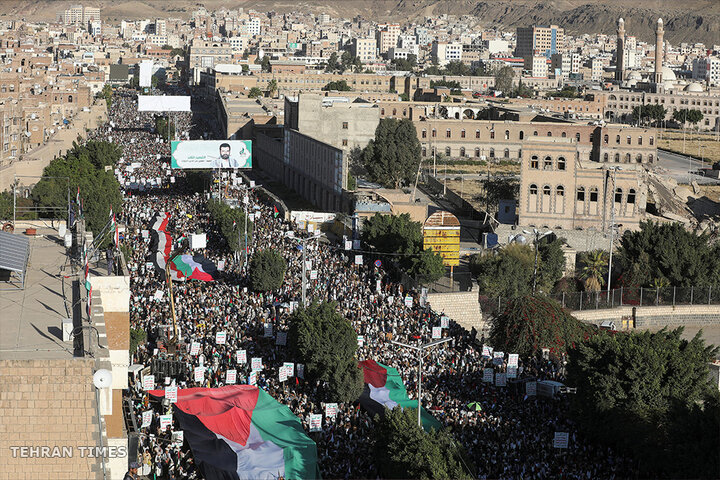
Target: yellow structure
x,y
441,233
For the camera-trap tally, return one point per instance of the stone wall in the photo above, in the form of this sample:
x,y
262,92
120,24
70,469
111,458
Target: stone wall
x,y
461,307
655,316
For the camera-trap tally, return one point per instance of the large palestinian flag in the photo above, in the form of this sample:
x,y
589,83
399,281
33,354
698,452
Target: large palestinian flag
x,y
240,432
195,267
384,388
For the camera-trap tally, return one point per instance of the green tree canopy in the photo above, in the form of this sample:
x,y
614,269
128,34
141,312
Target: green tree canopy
x,y
393,157
340,86
267,271
457,68
161,126
593,267
333,64
404,450
646,385
529,324
668,251
231,222
254,92
326,343
504,80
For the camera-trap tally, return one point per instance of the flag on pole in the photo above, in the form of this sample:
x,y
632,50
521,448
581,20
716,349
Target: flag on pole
x,y
114,228
275,212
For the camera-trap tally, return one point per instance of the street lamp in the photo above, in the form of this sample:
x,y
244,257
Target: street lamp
x,y
421,351
612,226
538,235
246,202
303,242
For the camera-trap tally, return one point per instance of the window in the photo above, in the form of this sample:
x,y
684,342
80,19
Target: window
x,y
577,137
492,153
462,133
560,191
534,162
522,135
549,134
605,138
617,139
506,153
629,140
547,163
618,195
563,134
639,140
650,158
533,189
492,134
535,133
424,152
447,151
631,196
617,158
581,194
394,111
477,133
561,163
344,142
507,134
448,134
382,111
477,153
627,158
638,158
345,125
434,133
424,133
652,140
546,190
605,158
462,151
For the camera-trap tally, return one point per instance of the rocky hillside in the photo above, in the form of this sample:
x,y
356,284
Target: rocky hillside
x,y
686,21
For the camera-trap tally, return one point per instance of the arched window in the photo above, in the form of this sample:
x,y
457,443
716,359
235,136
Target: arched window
x,y
506,153
492,153
533,189
434,133
477,133
549,134
581,194
535,133
424,152
631,196
560,191
617,158
618,195
594,194
547,163
424,133
69,98
462,133
448,133
477,152
546,190
447,151
617,139
652,140
627,158
394,111
605,157
382,111
522,135
561,163
605,138
492,134
507,134
638,158
650,158
534,164
563,134
462,151
577,137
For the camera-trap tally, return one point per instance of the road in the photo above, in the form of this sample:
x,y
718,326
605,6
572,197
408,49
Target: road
x,y
679,165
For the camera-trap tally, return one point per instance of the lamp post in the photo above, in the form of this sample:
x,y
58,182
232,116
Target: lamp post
x,y
246,202
538,235
421,349
612,227
303,242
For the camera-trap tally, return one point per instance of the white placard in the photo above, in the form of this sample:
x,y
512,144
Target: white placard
x,y
171,394
252,379
221,265
282,374
360,341
531,389
487,351
315,422
256,364
348,244
408,301
331,410
513,360
146,419
436,332
281,338
358,260
444,322
158,294
231,376
241,356
561,440
488,374
300,370
199,374
313,274
149,382
165,421
500,380
178,437
195,348
220,337
498,358
290,368
378,285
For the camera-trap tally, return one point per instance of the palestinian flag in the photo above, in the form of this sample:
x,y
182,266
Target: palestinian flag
x,y
240,432
384,388
195,267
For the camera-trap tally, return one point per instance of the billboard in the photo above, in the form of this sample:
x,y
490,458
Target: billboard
x,y
441,233
119,73
211,154
146,67
163,103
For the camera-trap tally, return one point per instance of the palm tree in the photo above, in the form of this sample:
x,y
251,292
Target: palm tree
x,y
593,269
272,88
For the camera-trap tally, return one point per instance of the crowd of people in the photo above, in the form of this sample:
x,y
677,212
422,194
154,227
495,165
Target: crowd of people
x,y
509,436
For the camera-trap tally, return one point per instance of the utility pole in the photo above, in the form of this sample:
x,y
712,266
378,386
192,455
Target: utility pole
x,y
303,242
538,235
612,229
421,349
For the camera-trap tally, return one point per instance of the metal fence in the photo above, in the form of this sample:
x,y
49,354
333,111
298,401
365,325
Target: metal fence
x,y
622,297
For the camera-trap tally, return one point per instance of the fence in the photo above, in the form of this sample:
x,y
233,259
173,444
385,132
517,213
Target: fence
x,y
622,297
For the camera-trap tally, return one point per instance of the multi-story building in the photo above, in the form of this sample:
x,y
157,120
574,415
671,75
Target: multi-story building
x,y
707,69
539,40
160,27
537,66
253,26
204,55
446,52
387,36
365,49
560,191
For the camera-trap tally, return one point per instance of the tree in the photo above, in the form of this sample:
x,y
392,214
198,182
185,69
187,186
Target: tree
x,y
177,51
650,113
404,97
325,342
646,385
333,65
393,157
456,68
529,324
245,68
668,250
551,265
265,63
496,189
272,88
267,271
504,80
451,84
137,337
231,223
99,188
255,92
427,267
523,90
161,127
340,86
404,450
106,93
504,273
346,60
593,267
684,115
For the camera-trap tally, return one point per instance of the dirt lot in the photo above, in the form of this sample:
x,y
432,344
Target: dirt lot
x,y
696,145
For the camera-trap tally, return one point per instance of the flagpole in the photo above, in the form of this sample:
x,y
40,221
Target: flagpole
x,y
173,342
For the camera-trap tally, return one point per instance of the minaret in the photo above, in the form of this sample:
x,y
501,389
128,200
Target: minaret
x,y
620,51
659,48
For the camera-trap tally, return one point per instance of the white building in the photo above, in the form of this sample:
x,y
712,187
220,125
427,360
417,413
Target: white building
x,y
707,69
446,52
537,66
239,44
365,48
253,26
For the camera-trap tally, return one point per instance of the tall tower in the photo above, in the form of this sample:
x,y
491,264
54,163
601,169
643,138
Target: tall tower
x,y
620,51
659,48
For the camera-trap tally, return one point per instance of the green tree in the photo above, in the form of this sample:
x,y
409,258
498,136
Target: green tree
x,y
647,386
668,250
177,51
346,60
340,86
272,88
551,265
106,93
404,97
231,222
245,68
405,64
529,324
451,84
267,271
265,63
456,68
496,189
6,206
137,337
652,113
393,157
504,80
404,450
523,90
426,266
255,92
333,65
593,267
161,127
684,115
506,272
326,343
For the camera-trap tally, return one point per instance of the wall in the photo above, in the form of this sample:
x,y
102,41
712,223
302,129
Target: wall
x,y
655,316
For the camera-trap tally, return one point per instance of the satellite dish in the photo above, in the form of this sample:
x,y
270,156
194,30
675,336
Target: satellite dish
x,y
102,378
520,239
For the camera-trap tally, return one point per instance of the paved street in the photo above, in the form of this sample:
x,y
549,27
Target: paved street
x,y
678,166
